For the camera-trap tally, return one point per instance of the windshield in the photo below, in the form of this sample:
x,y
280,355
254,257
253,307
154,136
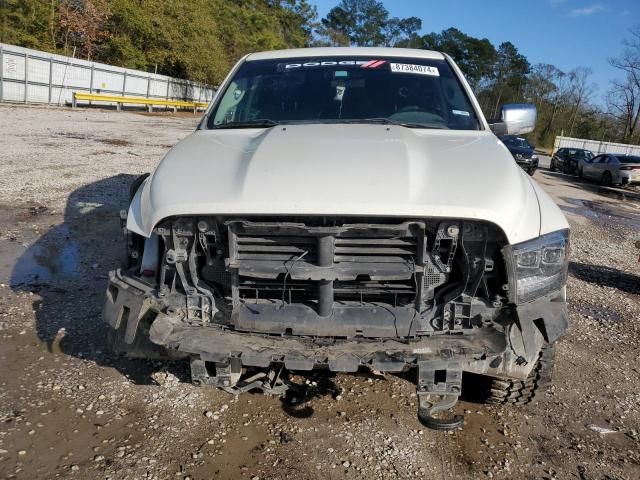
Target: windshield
x,y
418,93
519,142
584,154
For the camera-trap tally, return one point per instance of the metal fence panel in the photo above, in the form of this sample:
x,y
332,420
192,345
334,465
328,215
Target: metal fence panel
x,y
13,91
38,93
595,146
38,71
33,76
137,86
13,66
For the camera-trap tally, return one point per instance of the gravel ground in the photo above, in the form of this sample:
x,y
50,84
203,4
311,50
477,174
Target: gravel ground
x,y
69,409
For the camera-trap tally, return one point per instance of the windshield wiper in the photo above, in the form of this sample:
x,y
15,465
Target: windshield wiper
x,y
388,121
259,123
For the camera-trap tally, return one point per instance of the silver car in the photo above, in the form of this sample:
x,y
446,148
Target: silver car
x,y
613,169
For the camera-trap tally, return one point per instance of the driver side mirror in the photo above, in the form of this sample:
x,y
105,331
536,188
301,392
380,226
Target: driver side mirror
x,y
516,119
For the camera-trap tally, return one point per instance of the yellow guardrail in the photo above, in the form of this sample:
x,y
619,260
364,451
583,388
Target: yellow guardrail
x,y
149,102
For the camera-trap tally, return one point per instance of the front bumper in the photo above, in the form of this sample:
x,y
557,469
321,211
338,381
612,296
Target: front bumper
x,y
527,163
628,177
509,349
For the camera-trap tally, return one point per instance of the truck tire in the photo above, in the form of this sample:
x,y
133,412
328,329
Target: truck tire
x,y
502,391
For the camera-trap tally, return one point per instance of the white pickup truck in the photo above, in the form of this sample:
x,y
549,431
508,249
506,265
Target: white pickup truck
x,y
341,209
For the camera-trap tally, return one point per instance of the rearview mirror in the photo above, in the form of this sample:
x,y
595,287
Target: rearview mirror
x,y
516,119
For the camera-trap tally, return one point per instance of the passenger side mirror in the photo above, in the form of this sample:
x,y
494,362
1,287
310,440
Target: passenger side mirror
x,y
516,119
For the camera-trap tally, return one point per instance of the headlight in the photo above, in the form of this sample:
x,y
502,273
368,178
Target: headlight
x,y
537,267
534,157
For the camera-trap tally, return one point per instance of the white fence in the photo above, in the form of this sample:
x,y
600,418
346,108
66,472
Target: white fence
x,y
595,146
32,76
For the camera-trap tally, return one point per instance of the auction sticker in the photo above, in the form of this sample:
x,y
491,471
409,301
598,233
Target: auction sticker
x,y
411,68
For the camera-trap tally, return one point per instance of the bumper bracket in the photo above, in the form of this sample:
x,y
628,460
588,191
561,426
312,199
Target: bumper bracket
x,y
438,379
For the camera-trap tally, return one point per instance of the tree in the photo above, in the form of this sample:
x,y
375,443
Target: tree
x,y
624,97
475,57
509,75
27,23
399,30
82,24
581,91
623,102
365,23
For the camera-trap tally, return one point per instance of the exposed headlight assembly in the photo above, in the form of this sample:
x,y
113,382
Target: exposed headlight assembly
x,y
537,267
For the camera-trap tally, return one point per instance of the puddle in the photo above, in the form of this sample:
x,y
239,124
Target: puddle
x,y
603,212
48,261
117,142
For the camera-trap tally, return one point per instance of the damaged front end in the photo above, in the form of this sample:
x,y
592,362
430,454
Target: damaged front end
x,y
334,293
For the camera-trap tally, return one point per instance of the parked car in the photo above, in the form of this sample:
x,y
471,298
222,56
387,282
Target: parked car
x,y
613,169
522,151
570,160
347,208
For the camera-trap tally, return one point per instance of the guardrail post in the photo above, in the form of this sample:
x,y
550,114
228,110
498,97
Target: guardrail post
x,y
150,108
26,76
118,106
168,85
74,102
1,73
50,79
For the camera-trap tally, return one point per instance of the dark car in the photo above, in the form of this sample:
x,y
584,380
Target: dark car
x,y
570,160
522,152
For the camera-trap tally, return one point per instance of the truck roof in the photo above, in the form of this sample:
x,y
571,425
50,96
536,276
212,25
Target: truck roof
x,y
346,52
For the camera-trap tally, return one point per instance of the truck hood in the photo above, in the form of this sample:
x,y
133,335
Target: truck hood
x,y
355,169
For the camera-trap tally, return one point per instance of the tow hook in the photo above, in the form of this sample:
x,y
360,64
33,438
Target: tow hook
x,y
438,379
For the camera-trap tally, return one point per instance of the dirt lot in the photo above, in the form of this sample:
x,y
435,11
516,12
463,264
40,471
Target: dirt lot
x,y
71,410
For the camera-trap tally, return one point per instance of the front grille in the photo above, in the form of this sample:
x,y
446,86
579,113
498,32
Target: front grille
x,y
393,292
387,250
325,266
276,248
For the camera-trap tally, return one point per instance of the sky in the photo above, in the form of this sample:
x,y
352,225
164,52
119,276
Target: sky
x,y
565,33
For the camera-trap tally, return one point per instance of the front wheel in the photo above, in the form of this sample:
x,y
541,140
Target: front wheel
x,y
501,390
606,179
580,174
552,166
531,171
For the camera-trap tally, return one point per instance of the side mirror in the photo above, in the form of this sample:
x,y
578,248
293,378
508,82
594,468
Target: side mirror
x,y
516,119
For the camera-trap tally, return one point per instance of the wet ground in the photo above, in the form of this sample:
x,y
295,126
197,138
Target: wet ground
x,y
70,409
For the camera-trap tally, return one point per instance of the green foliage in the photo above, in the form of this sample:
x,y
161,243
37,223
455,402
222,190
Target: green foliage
x,y
26,23
195,39
475,57
365,23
